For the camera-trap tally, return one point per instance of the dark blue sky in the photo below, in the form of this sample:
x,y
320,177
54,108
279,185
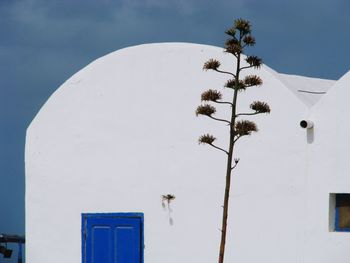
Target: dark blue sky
x,y
43,42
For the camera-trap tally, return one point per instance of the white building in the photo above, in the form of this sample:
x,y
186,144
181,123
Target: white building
x,y
122,132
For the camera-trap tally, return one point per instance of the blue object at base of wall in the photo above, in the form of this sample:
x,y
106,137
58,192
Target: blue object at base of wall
x,y
112,238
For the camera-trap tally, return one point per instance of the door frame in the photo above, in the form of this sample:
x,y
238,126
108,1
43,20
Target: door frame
x,y
111,215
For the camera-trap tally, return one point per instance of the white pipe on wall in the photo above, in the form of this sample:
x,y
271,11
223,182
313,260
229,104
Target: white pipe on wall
x,y
306,124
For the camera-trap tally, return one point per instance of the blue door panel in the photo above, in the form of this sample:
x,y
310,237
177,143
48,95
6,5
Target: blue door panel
x,y
127,244
101,244
112,238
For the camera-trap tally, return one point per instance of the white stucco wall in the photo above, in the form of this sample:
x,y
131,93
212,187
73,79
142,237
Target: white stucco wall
x,y
122,132
328,172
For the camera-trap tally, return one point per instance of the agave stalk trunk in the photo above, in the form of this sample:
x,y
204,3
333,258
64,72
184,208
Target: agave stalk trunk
x,y
229,167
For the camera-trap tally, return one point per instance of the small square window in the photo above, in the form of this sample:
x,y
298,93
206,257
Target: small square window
x,y
340,204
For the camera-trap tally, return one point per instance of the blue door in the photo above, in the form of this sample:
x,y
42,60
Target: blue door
x,y
112,238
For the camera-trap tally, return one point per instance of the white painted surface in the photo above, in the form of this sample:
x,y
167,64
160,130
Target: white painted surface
x,y
122,132
329,172
299,85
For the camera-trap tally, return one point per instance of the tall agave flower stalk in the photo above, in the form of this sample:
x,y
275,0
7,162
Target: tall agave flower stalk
x,y
240,37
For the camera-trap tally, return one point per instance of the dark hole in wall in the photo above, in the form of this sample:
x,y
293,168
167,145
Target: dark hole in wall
x,y
342,205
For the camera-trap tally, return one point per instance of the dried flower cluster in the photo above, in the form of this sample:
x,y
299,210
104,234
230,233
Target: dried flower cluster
x,y
206,139
252,80
168,197
243,26
249,40
254,61
211,64
211,95
205,109
231,83
231,32
245,127
260,107
231,42
233,48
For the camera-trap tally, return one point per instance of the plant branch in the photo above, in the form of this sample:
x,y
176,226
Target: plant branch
x,y
225,72
249,85
233,167
217,147
217,119
246,114
245,67
236,139
223,102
